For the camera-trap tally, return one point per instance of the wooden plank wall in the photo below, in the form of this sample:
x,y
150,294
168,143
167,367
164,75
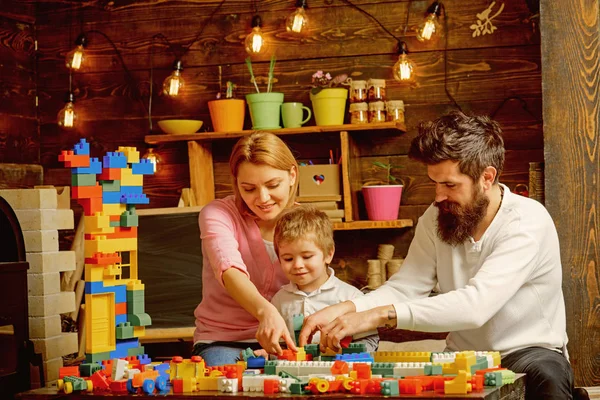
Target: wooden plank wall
x,y
572,166
19,134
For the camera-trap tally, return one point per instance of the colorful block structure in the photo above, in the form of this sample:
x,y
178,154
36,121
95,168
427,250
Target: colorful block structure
x,y
108,190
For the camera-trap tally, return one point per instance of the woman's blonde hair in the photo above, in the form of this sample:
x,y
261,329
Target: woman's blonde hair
x,y
305,223
262,148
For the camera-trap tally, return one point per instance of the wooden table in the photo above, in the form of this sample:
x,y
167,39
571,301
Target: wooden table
x,y
513,391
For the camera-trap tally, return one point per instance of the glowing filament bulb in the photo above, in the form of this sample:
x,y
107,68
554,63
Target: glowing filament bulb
x,y
297,21
428,28
404,68
67,117
174,82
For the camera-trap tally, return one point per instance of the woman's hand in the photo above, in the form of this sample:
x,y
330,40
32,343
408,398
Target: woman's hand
x,y
318,320
352,323
271,328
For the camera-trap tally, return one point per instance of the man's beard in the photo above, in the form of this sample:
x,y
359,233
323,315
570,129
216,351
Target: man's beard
x,y
456,223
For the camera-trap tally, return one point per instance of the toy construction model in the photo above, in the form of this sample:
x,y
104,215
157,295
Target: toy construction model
x,y
108,191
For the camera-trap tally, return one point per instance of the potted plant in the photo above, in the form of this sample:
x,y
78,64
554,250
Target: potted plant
x,y
265,108
227,115
382,198
329,100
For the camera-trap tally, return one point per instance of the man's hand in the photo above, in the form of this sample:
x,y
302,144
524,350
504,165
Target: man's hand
x,y
321,318
271,328
352,323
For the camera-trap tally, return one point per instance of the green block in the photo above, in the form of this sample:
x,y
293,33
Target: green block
x,y
124,331
114,224
432,370
136,301
355,348
97,357
129,219
83,179
298,388
88,369
284,375
297,321
381,368
312,349
390,388
136,351
111,186
141,319
270,367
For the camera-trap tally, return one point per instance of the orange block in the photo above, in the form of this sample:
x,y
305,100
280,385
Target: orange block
x,y
104,259
120,308
86,192
110,174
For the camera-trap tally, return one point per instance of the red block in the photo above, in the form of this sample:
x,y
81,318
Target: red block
x,y
410,386
271,386
100,382
104,259
91,206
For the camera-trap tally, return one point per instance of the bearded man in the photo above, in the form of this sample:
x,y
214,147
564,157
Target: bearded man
x,y
494,254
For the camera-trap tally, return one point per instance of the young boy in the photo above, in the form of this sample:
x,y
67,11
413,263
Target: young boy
x,y
303,241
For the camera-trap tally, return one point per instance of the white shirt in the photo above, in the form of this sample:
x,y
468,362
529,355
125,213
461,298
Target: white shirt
x,y
501,293
290,301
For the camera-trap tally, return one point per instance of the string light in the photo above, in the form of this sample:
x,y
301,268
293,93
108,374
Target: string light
x,y
76,57
404,68
174,83
67,117
431,25
255,42
297,21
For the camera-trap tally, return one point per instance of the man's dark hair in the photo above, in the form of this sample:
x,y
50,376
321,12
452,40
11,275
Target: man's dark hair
x,y
474,141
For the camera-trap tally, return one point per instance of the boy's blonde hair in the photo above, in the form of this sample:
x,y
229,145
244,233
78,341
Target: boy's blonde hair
x,y
305,222
261,148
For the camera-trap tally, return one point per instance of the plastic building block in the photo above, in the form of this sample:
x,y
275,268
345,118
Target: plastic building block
x,y
144,167
110,174
82,148
129,219
95,167
134,198
124,331
131,153
354,348
89,369
83,180
459,385
114,160
390,388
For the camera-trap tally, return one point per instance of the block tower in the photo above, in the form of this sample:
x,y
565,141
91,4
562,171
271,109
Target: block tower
x,y
108,191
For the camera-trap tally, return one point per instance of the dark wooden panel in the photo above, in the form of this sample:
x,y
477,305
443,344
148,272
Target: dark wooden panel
x,y
572,167
17,10
17,47
334,29
19,139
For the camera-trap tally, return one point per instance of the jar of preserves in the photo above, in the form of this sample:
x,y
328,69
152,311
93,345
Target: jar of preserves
x,y
395,111
359,113
376,90
358,91
377,112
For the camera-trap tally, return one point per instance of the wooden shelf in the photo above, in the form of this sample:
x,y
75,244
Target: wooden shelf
x,y
355,225
154,139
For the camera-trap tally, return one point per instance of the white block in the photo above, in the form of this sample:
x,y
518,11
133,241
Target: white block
x,y
51,369
56,346
35,220
52,304
55,261
43,327
24,199
39,241
43,284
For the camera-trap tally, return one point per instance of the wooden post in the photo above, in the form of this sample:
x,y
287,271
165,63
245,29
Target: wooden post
x,y
570,79
202,179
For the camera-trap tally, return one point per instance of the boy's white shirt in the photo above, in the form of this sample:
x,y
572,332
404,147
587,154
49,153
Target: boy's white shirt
x,y
290,300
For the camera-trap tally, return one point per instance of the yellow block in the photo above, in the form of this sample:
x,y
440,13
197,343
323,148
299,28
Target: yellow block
x,y
114,209
139,331
133,156
128,179
100,323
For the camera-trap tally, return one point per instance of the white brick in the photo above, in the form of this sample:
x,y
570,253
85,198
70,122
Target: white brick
x,y
43,327
52,304
39,241
56,261
43,284
51,369
24,199
35,220
56,346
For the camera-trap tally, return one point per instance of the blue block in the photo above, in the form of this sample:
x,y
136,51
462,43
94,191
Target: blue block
x,y
144,359
120,319
94,168
120,291
144,167
355,357
134,198
122,346
115,159
82,148
256,362
111,197
132,190
162,370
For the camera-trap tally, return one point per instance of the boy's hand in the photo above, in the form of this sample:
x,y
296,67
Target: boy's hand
x,y
261,353
320,319
271,328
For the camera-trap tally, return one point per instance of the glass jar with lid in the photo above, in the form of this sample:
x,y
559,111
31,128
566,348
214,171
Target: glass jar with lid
x,y
358,91
377,112
395,111
359,113
376,90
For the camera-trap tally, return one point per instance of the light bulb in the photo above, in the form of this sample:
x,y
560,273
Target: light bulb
x,y
404,68
255,42
76,57
67,117
431,25
297,21
153,157
174,83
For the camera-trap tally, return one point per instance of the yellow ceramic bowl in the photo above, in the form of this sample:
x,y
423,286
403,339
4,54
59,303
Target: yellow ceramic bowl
x,y
180,126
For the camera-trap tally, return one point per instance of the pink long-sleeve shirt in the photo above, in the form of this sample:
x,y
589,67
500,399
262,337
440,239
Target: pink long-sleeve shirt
x,y
230,239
